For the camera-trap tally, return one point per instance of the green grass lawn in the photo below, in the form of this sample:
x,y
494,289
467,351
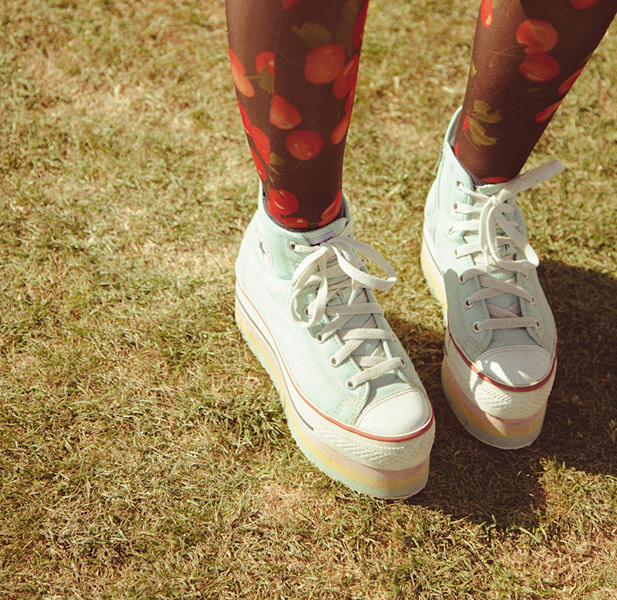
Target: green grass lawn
x,y
143,451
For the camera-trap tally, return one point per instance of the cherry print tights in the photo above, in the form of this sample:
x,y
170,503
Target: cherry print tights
x,y
295,65
526,56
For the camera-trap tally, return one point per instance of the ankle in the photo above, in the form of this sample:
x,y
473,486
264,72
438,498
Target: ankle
x,y
282,207
477,180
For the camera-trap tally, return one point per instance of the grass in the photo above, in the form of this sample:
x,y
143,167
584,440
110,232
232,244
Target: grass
x,y
143,451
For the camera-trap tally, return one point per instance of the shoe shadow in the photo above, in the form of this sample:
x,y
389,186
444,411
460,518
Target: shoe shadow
x,y
471,480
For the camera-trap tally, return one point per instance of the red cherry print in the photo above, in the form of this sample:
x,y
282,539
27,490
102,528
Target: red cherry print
x,y
340,130
303,144
358,28
349,101
569,82
486,12
260,166
538,35
262,143
539,67
237,70
265,60
324,63
295,222
547,113
582,4
333,209
246,121
290,4
346,81
465,124
282,203
283,114
456,149
496,179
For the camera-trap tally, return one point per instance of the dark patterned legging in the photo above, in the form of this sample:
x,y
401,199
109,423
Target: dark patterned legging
x,y
295,65
526,56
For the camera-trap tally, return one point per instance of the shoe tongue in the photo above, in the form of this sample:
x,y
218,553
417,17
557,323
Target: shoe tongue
x,y
357,321
504,337
387,382
342,297
490,189
323,234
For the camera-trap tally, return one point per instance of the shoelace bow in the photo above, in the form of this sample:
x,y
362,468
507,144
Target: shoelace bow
x,y
498,241
332,267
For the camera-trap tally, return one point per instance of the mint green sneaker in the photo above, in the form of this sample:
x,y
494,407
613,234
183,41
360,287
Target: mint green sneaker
x,y
353,401
500,349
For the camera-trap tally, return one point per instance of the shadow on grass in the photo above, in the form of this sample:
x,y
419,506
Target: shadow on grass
x,y
469,479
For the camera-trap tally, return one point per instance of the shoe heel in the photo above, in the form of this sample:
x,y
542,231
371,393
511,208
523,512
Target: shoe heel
x,y
259,345
506,434
432,275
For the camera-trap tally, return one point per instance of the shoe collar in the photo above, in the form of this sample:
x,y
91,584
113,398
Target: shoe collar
x,y
280,240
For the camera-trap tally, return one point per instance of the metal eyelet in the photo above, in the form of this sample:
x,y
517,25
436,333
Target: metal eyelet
x,y
319,338
476,327
538,324
455,207
467,303
306,312
292,246
459,183
349,385
532,301
460,279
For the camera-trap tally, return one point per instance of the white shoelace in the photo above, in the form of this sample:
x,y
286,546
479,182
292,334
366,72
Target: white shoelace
x,y
332,267
496,241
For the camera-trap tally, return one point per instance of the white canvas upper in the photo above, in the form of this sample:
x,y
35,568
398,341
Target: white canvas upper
x,y
501,334
316,296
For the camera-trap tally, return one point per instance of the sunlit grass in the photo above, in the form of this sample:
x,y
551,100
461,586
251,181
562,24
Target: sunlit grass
x,y
143,451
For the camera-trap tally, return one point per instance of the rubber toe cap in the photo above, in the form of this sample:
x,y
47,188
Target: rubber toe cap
x,y
396,414
516,365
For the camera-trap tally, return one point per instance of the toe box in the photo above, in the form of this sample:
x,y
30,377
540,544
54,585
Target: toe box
x,y
519,366
397,413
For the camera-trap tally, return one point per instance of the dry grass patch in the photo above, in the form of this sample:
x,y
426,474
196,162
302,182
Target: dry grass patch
x,y
143,450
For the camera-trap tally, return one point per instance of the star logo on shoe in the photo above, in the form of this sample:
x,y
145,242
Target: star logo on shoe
x,y
264,253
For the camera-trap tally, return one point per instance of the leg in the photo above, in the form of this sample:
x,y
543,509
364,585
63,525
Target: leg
x,y
526,56
500,357
304,302
295,65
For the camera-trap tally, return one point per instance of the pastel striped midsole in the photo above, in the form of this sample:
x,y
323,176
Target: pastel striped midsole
x,y
350,470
